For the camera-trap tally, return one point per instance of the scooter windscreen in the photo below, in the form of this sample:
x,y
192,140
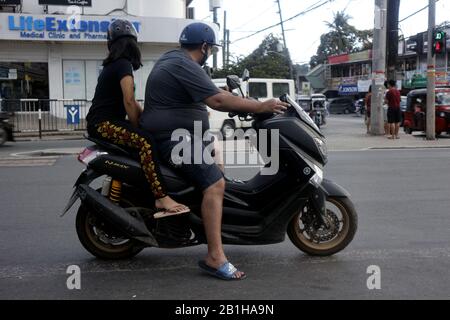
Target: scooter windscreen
x,y
302,114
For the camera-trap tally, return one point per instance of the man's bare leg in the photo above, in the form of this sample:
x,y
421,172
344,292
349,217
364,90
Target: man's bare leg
x,y
212,207
218,158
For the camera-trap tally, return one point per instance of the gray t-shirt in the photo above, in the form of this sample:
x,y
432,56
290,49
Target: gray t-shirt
x,y
175,91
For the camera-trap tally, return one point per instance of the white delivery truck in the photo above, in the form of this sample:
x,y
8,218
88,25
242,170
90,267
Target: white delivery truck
x,y
261,89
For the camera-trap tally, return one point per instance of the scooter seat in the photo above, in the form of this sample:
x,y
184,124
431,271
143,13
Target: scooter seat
x,y
174,182
111,147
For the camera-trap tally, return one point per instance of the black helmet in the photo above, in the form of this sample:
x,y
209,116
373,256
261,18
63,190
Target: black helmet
x,y
198,33
121,28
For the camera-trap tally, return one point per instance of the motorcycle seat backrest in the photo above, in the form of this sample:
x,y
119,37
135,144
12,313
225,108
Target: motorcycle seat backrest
x,y
111,147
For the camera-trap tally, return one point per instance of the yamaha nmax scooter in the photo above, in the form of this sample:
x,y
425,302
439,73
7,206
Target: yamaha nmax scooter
x,y
116,221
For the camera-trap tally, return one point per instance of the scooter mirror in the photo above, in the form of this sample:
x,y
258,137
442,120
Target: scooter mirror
x,y
245,75
233,82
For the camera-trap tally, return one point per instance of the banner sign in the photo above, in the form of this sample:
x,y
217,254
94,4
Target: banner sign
x,y
348,89
81,3
87,28
28,27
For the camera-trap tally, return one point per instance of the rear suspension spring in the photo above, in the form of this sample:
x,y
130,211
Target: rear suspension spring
x,y
116,191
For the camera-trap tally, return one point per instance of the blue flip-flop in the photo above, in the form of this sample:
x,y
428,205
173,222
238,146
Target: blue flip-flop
x,y
225,272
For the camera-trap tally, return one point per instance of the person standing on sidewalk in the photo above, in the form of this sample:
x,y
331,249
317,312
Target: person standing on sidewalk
x,y
393,99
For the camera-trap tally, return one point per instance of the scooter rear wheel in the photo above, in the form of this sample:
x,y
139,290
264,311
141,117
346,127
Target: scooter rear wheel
x,y
310,235
101,240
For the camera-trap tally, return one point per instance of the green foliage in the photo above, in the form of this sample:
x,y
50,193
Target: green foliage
x,y
267,61
342,38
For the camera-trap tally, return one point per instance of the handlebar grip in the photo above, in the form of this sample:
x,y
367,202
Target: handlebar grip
x,y
283,98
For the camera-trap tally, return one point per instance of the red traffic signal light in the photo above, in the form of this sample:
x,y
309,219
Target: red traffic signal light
x,y
440,42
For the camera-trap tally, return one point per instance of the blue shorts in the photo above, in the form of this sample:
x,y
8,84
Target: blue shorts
x,y
199,170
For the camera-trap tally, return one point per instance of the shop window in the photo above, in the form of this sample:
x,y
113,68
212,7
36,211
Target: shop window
x,y
74,79
24,80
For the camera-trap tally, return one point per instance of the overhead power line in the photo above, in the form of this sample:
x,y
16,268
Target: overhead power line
x,y
315,6
417,12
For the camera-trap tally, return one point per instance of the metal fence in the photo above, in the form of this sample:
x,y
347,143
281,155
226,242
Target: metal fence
x,y
33,115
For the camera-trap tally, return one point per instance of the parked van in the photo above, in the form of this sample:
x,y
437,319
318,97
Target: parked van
x,y
260,89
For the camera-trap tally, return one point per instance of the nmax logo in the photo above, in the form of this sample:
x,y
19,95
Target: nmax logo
x,y
52,24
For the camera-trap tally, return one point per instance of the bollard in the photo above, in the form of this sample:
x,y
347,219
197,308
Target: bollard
x,y
40,122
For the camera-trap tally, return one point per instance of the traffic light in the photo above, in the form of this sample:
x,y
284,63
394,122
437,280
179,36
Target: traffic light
x,y
440,42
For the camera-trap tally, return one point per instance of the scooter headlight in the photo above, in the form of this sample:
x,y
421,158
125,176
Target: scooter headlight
x,y
322,146
317,179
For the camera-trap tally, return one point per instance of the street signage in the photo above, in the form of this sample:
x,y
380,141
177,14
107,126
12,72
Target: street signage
x,y
56,28
82,3
348,89
73,114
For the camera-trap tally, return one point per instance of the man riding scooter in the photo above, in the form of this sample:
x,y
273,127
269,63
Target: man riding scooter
x,y
177,92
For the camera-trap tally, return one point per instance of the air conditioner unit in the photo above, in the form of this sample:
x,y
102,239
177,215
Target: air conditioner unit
x,y
215,4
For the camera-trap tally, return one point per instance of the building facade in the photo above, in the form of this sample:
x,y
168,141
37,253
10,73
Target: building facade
x,y
56,51
351,74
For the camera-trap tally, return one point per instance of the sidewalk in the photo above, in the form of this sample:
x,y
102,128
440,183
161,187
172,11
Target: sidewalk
x,y
343,133
348,133
49,136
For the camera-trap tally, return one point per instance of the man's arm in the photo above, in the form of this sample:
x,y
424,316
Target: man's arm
x,y
226,102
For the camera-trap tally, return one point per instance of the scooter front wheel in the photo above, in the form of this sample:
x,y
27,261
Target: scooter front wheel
x,y
308,233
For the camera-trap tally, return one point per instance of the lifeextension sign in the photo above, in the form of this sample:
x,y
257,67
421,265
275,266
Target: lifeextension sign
x,y
56,28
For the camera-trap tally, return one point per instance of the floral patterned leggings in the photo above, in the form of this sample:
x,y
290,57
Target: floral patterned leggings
x,y
123,133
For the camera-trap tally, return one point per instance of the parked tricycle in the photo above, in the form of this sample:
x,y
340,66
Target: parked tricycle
x,y
416,110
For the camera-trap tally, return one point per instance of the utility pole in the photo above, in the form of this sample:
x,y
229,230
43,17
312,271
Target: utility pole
x,y
291,72
393,9
215,19
431,73
228,47
379,67
224,46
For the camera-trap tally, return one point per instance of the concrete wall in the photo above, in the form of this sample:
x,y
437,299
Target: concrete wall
x,y
142,8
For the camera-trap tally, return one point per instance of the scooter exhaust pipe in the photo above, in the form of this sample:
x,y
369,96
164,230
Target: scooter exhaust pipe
x,y
132,226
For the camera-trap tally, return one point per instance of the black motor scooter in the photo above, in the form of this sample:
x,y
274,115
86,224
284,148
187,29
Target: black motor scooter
x,y
116,221
318,113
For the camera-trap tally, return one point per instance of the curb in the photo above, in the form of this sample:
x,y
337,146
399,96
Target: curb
x,y
409,147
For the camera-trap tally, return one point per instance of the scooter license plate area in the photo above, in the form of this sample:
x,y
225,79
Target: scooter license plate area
x,y
89,154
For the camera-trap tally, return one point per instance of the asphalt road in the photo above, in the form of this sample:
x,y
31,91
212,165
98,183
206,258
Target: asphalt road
x,y
402,198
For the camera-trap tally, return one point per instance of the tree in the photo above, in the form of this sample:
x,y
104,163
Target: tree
x,y
269,60
342,38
